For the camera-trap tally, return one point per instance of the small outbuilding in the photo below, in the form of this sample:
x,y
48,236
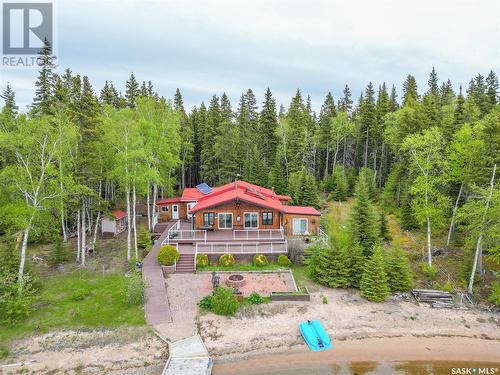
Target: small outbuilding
x,y
114,224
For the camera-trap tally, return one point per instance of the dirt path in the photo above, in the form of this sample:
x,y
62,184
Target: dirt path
x,y
274,327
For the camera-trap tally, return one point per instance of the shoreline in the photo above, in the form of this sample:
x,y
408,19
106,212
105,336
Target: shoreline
x,y
457,349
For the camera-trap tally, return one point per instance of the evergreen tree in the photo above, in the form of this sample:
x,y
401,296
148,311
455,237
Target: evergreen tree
x,y
393,100
327,113
268,124
446,93
277,175
254,168
210,133
309,189
433,83
367,121
107,95
374,284
297,139
185,133
10,108
410,93
131,91
363,220
357,263
398,270
43,101
329,265
338,185
492,89
346,102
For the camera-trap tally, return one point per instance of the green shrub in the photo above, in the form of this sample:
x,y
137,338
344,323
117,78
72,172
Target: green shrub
x,y
144,238
447,287
325,300
168,255
255,299
80,295
58,254
15,304
495,293
284,261
206,303
201,260
260,260
224,301
135,289
430,271
226,260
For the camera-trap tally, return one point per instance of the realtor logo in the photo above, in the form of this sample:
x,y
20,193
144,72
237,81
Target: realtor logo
x,y
25,27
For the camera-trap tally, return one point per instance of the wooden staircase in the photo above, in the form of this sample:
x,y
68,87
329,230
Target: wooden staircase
x,y
185,264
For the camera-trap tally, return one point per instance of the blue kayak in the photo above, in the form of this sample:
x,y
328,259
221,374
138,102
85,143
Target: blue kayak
x,y
315,335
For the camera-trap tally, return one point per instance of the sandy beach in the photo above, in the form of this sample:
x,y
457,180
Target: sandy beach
x,y
350,320
454,350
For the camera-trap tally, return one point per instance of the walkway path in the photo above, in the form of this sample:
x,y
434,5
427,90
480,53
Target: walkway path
x,y
156,308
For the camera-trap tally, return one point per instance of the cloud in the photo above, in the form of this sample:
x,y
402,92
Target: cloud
x,y
207,47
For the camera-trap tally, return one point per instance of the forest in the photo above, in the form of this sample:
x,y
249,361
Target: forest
x,y
428,157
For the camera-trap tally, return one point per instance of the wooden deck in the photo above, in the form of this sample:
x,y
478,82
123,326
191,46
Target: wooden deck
x,y
252,241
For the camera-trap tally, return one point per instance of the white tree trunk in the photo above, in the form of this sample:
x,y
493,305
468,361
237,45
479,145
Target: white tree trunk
x,y
84,239
96,226
335,156
365,158
429,246
78,236
63,223
327,161
134,222
452,224
22,261
129,233
155,195
148,208
481,231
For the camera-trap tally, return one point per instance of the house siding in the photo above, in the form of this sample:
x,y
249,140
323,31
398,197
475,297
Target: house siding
x,y
166,216
238,209
313,223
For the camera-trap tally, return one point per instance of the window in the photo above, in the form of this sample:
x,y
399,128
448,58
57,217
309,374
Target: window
x,y
208,219
164,208
225,220
267,218
300,226
251,220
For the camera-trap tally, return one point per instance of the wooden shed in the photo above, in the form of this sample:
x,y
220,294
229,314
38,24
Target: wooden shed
x,y
114,224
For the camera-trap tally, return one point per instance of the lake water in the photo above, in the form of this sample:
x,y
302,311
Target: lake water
x,y
380,368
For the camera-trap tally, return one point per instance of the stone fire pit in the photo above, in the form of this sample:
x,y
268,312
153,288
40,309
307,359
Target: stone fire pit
x,y
235,281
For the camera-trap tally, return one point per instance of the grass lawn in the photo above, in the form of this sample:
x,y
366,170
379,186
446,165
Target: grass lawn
x,y
79,299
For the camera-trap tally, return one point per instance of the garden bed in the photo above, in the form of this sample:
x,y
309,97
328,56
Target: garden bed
x,y
301,295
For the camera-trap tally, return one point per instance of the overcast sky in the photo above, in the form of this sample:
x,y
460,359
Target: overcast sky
x,y
210,47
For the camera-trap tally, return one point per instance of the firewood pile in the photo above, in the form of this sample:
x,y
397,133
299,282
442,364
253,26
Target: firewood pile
x,y
437,298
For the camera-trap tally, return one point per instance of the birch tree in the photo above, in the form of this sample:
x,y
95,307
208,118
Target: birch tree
x,y
33,177
426,159
464,157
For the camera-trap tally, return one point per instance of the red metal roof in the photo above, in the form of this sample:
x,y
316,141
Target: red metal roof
x,y
249,193
119,214
300,210
165,201
191,194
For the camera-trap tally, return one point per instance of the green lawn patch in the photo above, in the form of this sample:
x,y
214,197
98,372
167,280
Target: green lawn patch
x,y
79,299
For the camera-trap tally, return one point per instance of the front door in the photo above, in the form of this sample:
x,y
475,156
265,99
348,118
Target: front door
x,y
251,220
190,205
175,211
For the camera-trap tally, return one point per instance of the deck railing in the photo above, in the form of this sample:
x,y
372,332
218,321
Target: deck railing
x,y
258,234
184,235
280,247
